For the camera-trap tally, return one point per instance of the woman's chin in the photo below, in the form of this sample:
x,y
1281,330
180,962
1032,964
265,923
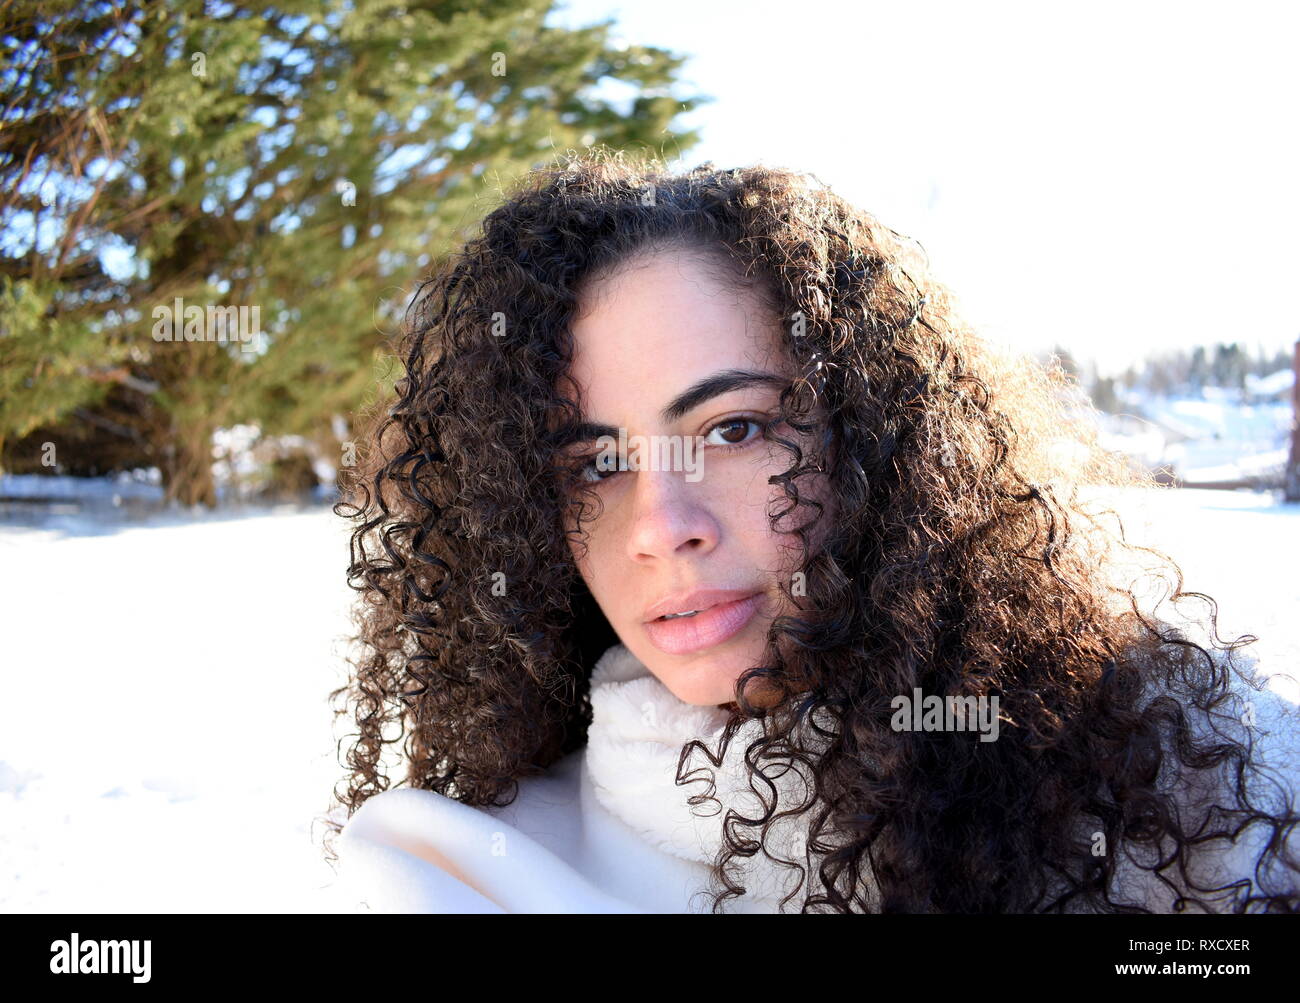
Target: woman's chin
x,y
705,679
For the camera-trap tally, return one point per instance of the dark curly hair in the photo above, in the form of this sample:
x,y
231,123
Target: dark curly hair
x,y
970,555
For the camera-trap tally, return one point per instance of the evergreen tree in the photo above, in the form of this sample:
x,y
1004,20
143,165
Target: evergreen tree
x,y
304,161
1199,371
1230,366
1104,396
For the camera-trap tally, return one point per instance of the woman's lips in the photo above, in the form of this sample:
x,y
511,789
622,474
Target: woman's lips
x,y
686,634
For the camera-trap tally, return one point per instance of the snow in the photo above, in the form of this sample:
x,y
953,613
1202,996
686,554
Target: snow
x,y
165,738
1242,549
1215,438
165,735
1272,384
144,485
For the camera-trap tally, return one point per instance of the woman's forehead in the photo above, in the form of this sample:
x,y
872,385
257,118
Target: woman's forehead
x,y
666,323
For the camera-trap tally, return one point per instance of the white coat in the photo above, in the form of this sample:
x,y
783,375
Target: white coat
x,y
607,830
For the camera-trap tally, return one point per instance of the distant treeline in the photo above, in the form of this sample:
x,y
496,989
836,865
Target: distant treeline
x,y
1179,371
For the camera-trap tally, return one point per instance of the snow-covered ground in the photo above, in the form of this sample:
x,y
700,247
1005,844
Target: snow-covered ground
x,y
1212,437
165,737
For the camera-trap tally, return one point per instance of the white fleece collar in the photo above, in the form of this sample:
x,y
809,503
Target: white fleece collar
x,y
636,736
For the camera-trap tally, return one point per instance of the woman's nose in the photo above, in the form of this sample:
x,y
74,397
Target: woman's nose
x,y
670,517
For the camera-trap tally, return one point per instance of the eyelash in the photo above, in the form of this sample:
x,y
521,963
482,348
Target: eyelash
x,y
586,464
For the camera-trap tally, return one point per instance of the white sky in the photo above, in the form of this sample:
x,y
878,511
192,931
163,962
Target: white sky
x,y
1115,177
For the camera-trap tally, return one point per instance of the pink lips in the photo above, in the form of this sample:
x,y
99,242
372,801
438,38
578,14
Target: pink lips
x,y
687,634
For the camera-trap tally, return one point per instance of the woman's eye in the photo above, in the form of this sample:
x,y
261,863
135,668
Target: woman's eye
x,y
732,432
590,471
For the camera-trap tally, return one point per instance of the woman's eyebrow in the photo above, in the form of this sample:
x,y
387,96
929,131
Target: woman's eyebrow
x,y
715,386
722,382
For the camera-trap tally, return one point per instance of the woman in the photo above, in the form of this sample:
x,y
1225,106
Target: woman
x,y
705,549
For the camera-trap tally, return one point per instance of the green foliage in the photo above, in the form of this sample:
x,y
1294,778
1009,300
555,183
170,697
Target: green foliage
x,y
47,361
213,152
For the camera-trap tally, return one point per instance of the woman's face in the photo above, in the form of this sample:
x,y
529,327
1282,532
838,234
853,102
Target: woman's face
x,y
686,369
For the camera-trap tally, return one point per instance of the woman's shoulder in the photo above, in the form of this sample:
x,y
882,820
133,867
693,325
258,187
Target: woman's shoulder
x,y
401,808
397,853
413,850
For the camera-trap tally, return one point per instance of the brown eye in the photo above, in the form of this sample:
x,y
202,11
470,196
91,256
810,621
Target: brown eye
x,y
732,432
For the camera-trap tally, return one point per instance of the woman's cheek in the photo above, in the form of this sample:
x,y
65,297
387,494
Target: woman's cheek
x,y
594,558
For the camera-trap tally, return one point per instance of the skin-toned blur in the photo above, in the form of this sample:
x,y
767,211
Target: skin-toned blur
x,y
644,333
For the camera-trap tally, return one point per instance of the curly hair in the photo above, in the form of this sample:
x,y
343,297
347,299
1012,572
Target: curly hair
x,y
970,556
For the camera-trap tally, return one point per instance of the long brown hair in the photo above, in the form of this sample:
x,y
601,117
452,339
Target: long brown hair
x,y
971,555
